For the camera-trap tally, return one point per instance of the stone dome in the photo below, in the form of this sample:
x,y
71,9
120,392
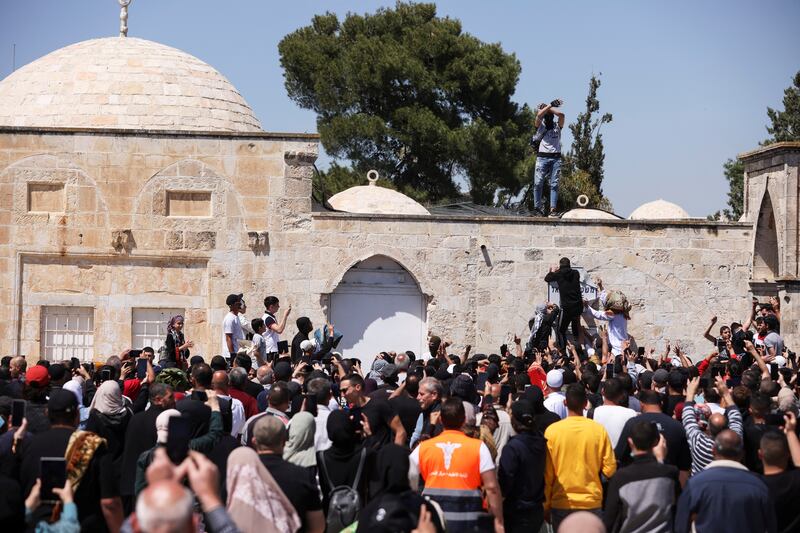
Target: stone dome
x,y
372,199
659,210
581,213
123,83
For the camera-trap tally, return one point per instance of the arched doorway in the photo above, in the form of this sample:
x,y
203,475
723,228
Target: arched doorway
x,y
378,306
765,256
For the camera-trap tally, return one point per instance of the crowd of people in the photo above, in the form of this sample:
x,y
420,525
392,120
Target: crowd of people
x,y
576,434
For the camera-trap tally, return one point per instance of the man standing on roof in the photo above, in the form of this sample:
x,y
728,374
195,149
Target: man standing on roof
x,y
548,154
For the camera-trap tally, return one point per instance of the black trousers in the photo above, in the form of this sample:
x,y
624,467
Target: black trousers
x,y
569,317
517,521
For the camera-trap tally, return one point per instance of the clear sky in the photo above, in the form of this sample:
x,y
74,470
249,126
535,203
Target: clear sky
x,y
688,82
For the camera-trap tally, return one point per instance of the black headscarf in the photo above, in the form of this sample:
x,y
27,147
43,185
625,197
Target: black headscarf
x,y
341,431
304,325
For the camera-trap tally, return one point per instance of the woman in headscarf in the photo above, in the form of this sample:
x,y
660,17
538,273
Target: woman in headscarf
x,y
255,501
176,348
542,416
108,417
299,447
342,459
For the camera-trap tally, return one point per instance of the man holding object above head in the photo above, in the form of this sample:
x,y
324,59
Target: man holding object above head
x,y
547,141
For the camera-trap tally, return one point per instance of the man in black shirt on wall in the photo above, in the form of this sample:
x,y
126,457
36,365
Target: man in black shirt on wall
x,y
569,291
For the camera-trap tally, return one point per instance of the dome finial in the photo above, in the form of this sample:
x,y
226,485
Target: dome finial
x,y
372,177
123,17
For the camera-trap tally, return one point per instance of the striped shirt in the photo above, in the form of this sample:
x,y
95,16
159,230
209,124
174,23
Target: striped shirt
x,y
700,443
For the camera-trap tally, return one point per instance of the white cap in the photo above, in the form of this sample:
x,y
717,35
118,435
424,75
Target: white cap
x,y
780,361
306,346
555,378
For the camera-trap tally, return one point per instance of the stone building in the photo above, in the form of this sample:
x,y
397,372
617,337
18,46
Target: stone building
x,y
137,183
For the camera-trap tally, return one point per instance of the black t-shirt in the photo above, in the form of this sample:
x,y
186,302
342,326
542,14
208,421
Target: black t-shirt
x,y
678,453
784,491
408,409
752,443
670,402
379,413
298,483
100,480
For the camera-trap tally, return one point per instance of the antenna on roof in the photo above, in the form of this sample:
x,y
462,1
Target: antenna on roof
x,y
123,17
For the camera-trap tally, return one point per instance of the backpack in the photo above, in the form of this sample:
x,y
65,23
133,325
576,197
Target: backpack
x,y
344,503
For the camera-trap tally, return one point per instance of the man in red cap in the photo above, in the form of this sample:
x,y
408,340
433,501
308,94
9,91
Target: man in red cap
x,y
37,386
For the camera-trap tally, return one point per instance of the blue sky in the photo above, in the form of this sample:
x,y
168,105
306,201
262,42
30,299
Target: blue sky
x,y
688,82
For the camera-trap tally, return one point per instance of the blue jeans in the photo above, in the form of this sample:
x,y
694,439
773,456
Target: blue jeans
x,y
546,168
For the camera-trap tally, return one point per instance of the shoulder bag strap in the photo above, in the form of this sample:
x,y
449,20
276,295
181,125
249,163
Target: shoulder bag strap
x,y
360,467
321,461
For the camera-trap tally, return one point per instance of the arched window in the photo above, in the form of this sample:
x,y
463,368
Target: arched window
x,y
765,254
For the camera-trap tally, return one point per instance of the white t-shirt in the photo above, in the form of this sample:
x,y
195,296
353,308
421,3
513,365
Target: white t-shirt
x,y
555,404
231,325
261,348
486,462
270,337
613,418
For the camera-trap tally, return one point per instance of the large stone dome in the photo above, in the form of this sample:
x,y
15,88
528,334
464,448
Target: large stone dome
x,y
659,210
123,83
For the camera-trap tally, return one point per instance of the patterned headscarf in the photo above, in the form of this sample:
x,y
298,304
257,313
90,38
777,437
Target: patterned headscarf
x,y
172,321
255,501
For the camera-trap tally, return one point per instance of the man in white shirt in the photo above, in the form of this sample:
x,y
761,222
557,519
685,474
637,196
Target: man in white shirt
x,y
274,328
231,327
617,323
220,382
320,389
553,399
611,415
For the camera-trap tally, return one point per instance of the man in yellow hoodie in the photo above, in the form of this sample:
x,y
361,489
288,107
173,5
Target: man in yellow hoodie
x,y
578,451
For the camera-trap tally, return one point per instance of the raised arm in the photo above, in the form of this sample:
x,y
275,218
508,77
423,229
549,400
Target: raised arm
x,y
790,428
707,334
759,360
560,114
541,113
749,323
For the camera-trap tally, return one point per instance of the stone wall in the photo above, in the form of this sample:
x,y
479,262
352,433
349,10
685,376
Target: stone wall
x,y
116,245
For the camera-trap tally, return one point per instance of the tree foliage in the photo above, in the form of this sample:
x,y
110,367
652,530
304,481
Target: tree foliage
x,y
587,141
785,127
786,124
411,95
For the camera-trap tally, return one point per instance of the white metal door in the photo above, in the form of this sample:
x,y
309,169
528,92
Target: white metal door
x,y
378,307
149,327
67,332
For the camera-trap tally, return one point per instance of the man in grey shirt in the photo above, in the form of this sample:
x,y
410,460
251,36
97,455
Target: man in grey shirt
x,y
548,155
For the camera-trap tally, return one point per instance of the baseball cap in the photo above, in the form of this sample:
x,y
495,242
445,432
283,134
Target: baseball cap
x,y
62,401
780,361
233,298
522,411
57,371
38,375
555,378
306,345
660,376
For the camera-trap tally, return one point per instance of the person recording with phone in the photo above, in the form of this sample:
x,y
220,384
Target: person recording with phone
x,y
548,154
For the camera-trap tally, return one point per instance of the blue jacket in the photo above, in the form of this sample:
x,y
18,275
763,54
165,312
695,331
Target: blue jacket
x,y
725,497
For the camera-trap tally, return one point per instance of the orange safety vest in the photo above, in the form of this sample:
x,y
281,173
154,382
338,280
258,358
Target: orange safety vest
x,y
450,466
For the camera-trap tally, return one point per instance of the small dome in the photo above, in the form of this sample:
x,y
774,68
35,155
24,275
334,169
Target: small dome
x,y
589,214
372,199
659,210
123,83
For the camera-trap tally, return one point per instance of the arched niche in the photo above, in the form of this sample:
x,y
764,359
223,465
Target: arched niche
x,y
378,306
765,249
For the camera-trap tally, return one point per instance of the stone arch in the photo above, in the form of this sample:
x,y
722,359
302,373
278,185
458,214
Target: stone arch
x,y
83,201
381,309
223,226
766,242
396,255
